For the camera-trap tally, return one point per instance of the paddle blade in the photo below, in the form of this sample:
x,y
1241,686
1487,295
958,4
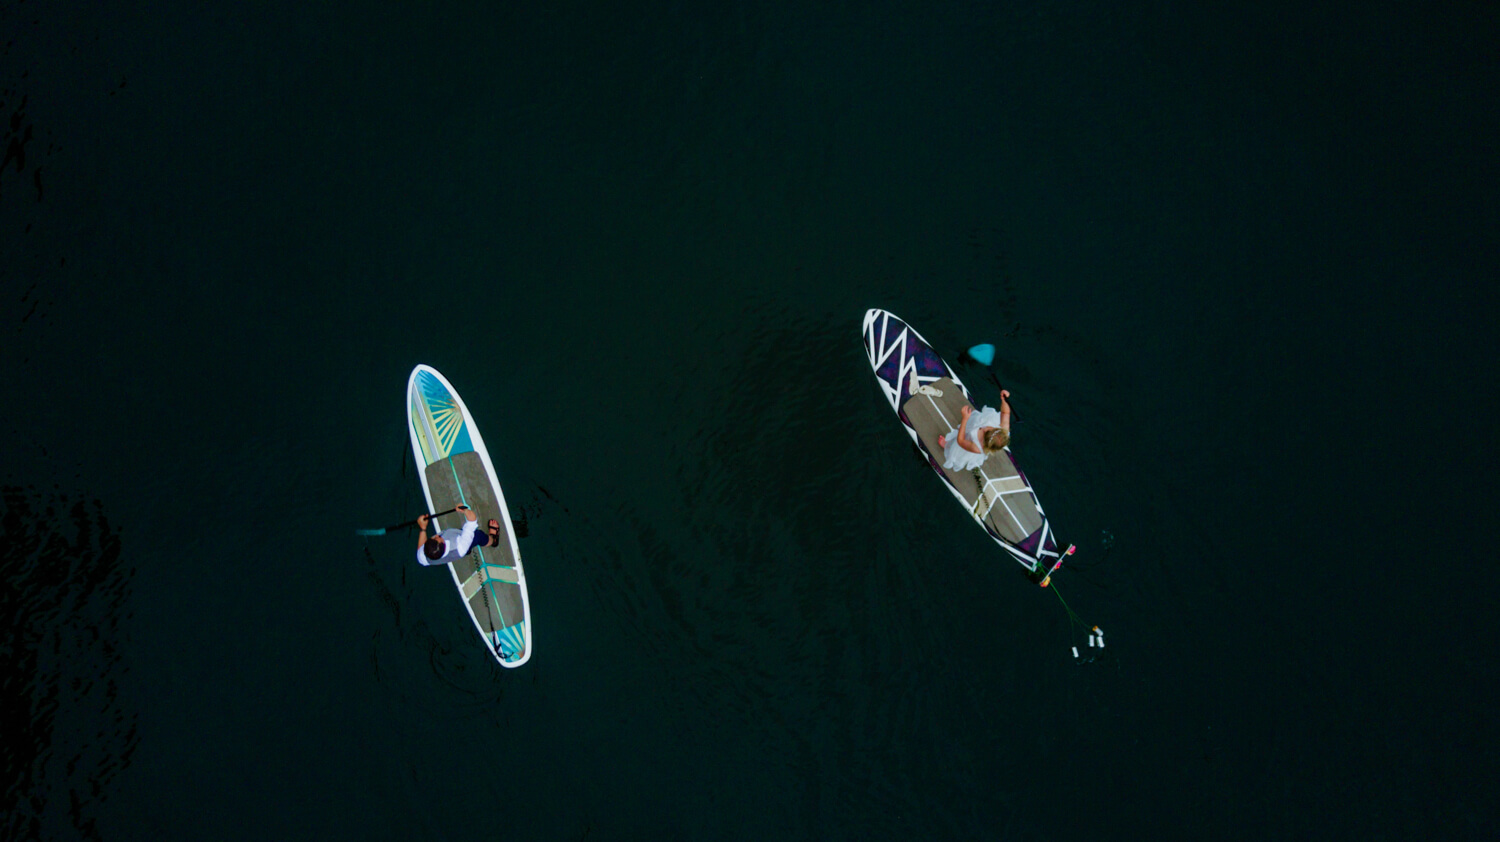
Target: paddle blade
x,y
369,532
983,354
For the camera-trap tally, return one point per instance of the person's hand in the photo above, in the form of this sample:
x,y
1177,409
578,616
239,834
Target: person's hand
x,y
967,411
468,513
1004,393
422,522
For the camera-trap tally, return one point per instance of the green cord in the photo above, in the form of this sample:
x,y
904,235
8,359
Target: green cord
x,y
1071,616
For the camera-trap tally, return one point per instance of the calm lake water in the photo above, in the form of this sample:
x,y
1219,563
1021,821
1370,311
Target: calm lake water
x,y
1239,265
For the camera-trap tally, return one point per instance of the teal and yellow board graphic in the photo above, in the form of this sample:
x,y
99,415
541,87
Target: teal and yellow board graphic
x,y
436,418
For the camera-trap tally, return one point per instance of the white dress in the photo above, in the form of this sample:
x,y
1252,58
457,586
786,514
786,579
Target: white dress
x,y
958,459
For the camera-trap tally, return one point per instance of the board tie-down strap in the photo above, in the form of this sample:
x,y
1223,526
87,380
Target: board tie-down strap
x,y
918,389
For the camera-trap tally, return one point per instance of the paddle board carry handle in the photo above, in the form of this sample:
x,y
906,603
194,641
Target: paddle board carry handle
x,y
1047,580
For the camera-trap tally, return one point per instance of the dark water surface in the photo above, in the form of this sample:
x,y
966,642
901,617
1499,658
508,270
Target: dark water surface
x,y
1240,267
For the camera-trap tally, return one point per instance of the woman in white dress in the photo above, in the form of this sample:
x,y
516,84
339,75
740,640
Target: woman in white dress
x,y
978,435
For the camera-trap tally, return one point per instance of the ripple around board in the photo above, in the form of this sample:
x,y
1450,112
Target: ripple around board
x,y
67,733
822,604
796,605
408,650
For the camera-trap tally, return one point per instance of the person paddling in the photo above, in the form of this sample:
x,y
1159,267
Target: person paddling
x,y
978,435
453,544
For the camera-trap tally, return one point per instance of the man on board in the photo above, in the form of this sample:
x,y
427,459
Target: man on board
x,y
453,544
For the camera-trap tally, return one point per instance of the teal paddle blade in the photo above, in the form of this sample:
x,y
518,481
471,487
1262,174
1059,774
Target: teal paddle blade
x,y
983,354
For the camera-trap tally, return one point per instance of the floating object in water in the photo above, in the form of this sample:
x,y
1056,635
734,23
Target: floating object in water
x,y
1091,641
1075,651
1101,643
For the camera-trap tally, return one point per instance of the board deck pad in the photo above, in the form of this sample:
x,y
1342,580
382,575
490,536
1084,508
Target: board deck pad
x,y
1009,508
928,398
496,604
457,471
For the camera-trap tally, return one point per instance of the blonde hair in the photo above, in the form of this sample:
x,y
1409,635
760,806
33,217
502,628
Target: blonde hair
x,y
996,440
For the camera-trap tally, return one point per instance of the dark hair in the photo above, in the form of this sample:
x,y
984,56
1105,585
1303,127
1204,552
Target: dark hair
x,y
433,548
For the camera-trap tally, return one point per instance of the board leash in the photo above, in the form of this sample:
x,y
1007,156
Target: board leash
x,y
979,502
1096,634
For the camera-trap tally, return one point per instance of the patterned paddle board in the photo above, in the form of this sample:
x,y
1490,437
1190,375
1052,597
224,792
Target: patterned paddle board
x,y
456,470
928,397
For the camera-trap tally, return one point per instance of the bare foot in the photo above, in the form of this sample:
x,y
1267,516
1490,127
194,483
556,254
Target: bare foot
x,y
942,441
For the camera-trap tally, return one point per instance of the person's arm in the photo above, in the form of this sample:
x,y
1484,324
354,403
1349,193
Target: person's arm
x,y
466,538
468,513
1004,411
421,530
966,438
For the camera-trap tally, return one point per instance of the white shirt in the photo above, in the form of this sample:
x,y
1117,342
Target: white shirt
x,y
457,543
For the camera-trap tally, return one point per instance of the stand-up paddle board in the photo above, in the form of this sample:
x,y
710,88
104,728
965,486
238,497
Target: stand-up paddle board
x,y
456,470
928,397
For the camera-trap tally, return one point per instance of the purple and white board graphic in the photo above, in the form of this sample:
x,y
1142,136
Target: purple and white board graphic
x,y
919,385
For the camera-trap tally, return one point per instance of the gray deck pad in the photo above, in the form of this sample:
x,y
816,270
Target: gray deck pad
x,y
461,479
1010,508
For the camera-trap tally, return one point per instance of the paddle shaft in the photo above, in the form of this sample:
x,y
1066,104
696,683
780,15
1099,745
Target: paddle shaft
x,y
436,516
1014,416
409,523
989,356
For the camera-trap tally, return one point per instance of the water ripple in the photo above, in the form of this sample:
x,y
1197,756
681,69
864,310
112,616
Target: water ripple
x,y
67,732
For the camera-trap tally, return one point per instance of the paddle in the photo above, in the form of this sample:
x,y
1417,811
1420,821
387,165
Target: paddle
x,y
399,525
984,354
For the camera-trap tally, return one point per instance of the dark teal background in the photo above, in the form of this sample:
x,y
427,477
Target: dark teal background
x,y
1239,262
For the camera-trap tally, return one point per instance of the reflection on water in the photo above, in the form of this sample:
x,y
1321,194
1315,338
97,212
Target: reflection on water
x,y
65,593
